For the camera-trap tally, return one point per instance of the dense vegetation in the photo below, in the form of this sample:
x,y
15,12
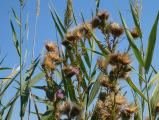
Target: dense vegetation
x,y
83,73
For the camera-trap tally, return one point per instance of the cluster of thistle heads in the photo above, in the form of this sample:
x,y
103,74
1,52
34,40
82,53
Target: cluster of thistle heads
x,y
114,67
101,22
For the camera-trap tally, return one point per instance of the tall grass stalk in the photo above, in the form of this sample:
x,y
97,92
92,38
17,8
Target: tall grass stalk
x,y
21,63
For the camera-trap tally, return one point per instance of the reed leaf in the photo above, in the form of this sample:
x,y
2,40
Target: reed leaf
x,y
151,44
95,89
15,40
131,42
132,85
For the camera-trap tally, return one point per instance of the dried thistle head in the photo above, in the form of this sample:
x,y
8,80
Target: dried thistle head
x,y
115,29
131,109
135,33
119,58
119,99
104,81
157,107
70,37
119,72
103,15
102,63
48,64
104,109
95,22
54,57
70,70
70,109
51,47
86,29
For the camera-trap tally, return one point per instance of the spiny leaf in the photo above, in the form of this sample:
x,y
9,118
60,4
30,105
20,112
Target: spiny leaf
x,y
131,42
132,85
15,40
151,44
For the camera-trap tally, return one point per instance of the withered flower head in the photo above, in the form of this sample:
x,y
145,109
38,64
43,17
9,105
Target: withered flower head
x,y
135,33
105,82
70,37
70,109
157,107
50,47
54,57
47,64
131,109
119,58
78,33
86,29
70,70
103,15
119,99
116,29
59,94
102,63
119,72
95,22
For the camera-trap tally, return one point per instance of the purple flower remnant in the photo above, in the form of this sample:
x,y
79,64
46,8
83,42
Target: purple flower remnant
x,y
75,70
59,94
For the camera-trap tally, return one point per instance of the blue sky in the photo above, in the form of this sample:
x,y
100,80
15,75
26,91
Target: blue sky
x,y
46,30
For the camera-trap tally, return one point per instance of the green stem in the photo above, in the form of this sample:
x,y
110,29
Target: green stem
x,y
149,107
21,64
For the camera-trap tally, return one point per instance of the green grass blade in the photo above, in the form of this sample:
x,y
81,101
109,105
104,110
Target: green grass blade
x,y
151,44
15,40
16,17
95,89
56,25
59,21
97,5
132,85
153,80
85,53
131,42
154,98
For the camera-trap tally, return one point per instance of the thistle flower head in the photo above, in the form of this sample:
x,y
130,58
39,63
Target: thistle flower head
x,y
135,33
119,58
54,57
103,15
48,64
70,70
59,94
86,29
105,82
102,63
116,29
50,47
70,109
